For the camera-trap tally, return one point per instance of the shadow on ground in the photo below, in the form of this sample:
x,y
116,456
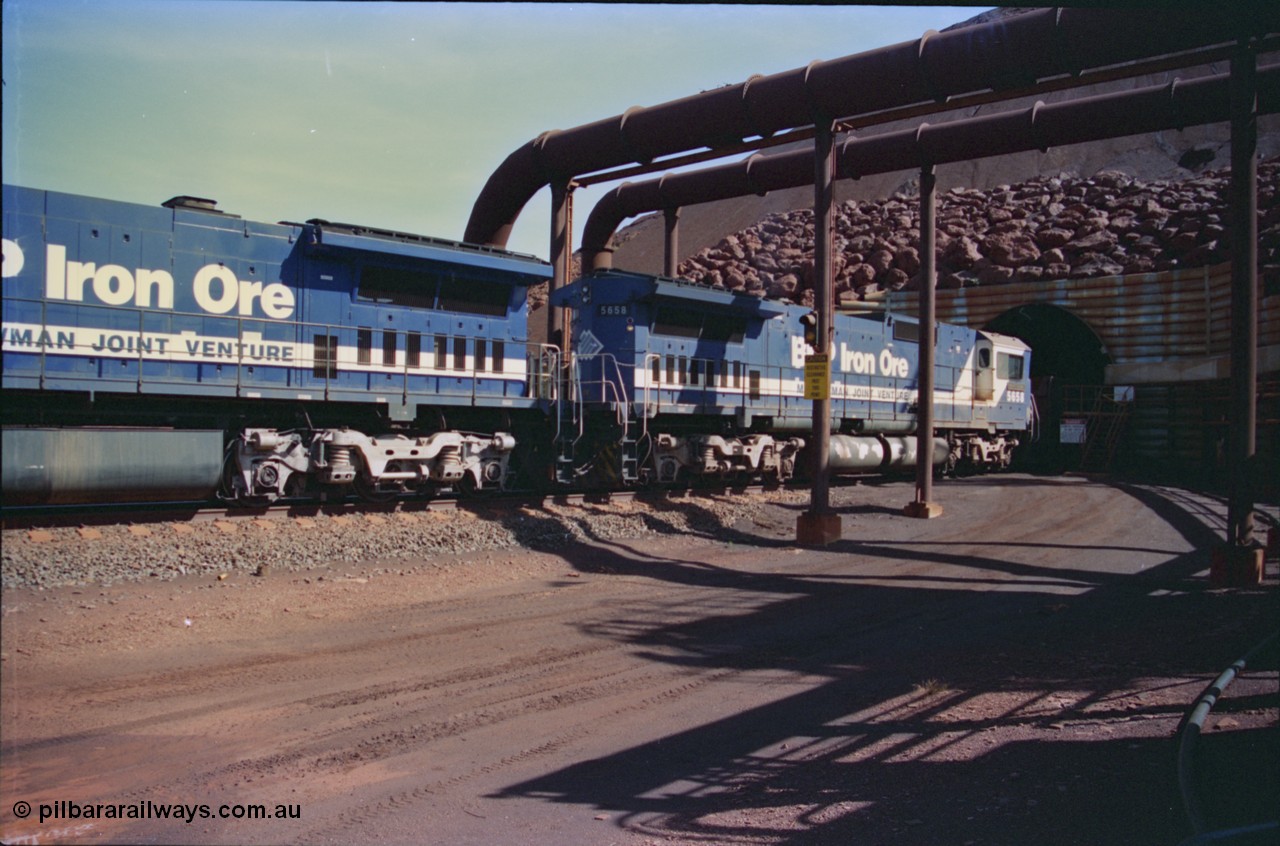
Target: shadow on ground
x,y
973,711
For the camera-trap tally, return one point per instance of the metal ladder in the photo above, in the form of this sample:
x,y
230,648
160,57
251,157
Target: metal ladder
x,y
571,423
1103,429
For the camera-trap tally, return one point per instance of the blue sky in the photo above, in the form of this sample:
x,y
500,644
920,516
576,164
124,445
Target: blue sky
x,y
385,114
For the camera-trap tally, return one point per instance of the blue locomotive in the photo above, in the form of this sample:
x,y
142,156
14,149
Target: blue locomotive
x,y
674,380
137,338
178,351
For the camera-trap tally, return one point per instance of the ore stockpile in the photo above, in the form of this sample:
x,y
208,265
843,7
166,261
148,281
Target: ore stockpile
x,y
1044,229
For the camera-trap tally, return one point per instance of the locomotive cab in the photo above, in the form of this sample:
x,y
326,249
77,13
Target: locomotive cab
x,y
1009,372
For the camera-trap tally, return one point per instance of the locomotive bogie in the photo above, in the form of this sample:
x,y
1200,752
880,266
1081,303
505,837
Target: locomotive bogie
x,y
977,452
725,458
266,464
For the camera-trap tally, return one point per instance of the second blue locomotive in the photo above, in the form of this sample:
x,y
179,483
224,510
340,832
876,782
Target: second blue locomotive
x,y
681,381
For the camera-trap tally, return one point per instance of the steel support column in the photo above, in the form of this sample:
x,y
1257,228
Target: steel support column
x,y
671,249
1240,562
820,525
561,255
923,506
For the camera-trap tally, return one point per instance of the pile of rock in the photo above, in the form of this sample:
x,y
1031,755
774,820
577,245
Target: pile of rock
x,y
1045,228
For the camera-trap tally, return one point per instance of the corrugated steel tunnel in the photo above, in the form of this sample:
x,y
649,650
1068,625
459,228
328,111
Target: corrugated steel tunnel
x,y
1065,352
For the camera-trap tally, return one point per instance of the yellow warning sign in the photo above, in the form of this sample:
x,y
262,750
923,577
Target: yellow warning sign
x,y
817,377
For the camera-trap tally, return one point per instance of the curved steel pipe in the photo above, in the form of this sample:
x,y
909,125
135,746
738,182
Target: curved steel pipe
x,y
1000,55
1172,106
1193,724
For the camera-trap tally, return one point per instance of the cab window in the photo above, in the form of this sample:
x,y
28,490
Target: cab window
x,y
1009,366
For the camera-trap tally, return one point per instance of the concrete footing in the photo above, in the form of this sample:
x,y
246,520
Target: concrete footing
x,y
1236,566
817,529
923,510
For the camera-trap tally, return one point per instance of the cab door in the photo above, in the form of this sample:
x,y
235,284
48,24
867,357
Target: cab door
x,y
984,371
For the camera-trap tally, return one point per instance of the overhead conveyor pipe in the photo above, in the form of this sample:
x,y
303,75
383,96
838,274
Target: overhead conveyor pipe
x,y
1173,106
1001,55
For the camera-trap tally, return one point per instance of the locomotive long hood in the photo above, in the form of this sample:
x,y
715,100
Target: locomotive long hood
x,y
328,236
672,289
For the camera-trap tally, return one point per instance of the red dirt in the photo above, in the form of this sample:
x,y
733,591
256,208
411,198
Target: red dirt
x,y
1012,672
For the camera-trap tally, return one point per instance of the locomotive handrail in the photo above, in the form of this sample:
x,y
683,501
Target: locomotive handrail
x,y
644,416
618,400
610,391
142,354
575,395
545,359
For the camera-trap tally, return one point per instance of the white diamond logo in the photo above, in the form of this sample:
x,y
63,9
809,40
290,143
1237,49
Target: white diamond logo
x,y
589,345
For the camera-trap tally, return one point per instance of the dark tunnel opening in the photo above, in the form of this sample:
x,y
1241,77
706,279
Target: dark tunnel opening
x,y
1068,364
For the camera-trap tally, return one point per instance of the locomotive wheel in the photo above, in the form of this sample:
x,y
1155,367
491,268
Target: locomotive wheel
x,y
467,488
227,488
367,489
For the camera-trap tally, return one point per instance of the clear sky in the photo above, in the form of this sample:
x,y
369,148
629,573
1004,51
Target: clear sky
x,y
387,114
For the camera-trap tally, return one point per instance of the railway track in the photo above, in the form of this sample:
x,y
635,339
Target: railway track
x,y
115,514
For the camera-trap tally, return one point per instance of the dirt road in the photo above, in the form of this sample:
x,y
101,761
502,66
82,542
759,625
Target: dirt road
x,y
1011,672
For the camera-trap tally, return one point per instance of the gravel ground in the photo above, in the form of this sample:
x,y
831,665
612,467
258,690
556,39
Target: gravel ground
x,y
672,671
119,554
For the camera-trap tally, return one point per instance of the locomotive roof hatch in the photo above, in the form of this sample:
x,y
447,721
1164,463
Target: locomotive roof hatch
x,y
671,289
190,203
653,288
341,236
1005,340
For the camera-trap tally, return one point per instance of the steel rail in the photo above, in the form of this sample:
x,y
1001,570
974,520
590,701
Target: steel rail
x,y
116,514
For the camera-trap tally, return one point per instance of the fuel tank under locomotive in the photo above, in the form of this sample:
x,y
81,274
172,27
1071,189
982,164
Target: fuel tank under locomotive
x,y
880,453
60,466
